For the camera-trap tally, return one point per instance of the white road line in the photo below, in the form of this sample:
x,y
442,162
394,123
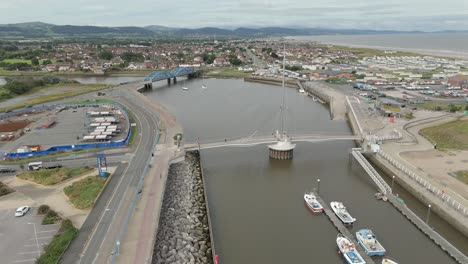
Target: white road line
x,y
34,245
26,260
47,231
40,238
29,252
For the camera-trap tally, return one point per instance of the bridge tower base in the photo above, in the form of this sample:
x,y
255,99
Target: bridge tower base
x,y
283,149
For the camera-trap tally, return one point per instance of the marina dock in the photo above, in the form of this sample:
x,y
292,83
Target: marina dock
x,y
410,215
343,230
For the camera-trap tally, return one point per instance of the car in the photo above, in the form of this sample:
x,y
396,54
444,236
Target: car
x,y
54,166
21,211
427,99
28,106
6,170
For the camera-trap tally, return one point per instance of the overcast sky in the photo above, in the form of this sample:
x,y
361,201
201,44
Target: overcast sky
x,y
427,15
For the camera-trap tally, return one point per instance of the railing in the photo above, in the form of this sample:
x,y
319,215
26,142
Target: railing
x,y
383,186
442,195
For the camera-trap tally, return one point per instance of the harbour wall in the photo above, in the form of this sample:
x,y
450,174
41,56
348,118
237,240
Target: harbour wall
x,y
184,234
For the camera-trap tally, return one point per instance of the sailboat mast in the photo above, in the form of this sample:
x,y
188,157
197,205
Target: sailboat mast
x,y
284,91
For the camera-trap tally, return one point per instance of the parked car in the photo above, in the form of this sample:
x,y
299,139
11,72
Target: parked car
x,y
427,99
6,170
54,166
21,211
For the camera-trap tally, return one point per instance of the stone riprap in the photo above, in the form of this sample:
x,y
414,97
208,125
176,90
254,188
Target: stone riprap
x,y
183,234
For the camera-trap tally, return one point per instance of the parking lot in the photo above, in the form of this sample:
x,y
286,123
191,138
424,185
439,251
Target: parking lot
x,y
71,125
22,239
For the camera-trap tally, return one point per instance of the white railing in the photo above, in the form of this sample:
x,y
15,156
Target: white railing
x,y
442,195
375,176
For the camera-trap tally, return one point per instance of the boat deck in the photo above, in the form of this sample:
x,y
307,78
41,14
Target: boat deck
x,y
343,230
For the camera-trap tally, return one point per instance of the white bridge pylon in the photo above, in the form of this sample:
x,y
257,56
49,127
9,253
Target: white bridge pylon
x,y
261,140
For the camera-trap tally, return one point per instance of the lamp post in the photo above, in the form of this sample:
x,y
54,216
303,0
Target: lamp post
x,y
393,180
428,213
318,186
118,247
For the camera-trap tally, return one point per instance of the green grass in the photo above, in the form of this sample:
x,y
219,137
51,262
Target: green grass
x,y
78,89
133,136
51,217
53,176
83,193
368,52
53,252
437,106
462,176
449,136
227,73
4,189
12,61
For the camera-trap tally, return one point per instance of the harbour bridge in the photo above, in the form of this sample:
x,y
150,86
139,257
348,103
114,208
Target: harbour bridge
x,y
261,140
168,75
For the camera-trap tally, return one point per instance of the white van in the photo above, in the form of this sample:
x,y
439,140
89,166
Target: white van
x,y
35,165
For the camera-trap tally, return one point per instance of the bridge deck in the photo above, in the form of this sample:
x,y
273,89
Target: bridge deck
x,y
343,230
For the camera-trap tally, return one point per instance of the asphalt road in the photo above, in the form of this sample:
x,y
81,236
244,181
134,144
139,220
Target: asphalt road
x,y
115,210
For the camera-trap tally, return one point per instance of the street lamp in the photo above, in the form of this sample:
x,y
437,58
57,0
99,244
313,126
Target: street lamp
x,y
37,241
318,186
393,180
428,213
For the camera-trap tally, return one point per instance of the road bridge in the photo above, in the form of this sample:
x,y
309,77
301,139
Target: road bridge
x,y
270,139
168,75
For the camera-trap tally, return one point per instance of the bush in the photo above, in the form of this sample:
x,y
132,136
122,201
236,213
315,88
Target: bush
x,y
59,243
4,189
466,107
43,209
51,218
454,108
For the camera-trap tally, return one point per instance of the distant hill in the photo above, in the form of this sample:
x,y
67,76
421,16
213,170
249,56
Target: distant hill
x,y
44,30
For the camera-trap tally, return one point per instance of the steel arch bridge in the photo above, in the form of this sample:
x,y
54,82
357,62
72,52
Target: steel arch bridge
x,y
165,75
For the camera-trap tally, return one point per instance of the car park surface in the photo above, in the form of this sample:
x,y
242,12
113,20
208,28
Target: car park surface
x,y
22,239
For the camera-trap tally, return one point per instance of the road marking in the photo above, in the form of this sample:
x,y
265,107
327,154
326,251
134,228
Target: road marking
x,y
46,231
29,252
26,260
34,245
40,238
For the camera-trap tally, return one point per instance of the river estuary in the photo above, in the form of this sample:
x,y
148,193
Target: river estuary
x,y
257,210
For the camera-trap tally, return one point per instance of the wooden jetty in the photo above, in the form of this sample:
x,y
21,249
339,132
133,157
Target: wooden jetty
x,y
343,230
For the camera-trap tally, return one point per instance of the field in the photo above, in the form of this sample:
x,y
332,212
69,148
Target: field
x,y
53,176
227,73
12,61
367,52
449,136
83,193
70,91
462,176
437,106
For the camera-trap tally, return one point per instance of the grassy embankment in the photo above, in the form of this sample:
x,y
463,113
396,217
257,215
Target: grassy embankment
x,y
83,193
462,176
72,90
449,136
4,189
53,176
438,106
226,73
133,136
59,243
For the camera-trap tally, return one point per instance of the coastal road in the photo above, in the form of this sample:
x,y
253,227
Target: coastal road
x,y
110,218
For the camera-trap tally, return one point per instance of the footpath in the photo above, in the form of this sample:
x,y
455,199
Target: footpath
x,y
138,243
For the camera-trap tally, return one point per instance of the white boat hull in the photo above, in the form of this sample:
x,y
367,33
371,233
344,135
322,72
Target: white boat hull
x,y
341,213
312,203
348,250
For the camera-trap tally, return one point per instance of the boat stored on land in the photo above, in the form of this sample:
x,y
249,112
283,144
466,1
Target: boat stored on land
x,y
340,210
348,250
311,202
367,239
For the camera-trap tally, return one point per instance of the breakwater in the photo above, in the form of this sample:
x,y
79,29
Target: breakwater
x,y
184,233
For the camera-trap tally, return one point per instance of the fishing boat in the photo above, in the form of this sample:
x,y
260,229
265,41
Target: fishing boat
x,y
301,90
311,202
204,86
184,88
340,210
388,261
367,239
348,250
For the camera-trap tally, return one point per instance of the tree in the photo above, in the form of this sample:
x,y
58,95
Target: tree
x,y
466,107
35,62
17,87
46,62
106,55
